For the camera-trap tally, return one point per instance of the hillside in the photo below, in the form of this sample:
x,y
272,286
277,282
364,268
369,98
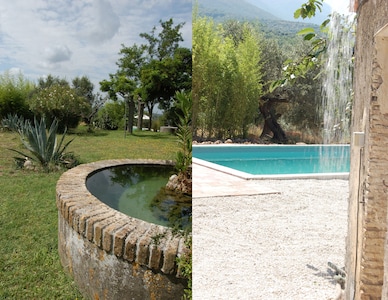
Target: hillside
x,y
288,8
243,10
221,10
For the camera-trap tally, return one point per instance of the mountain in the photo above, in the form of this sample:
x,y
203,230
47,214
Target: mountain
x,y
273,21
284,9
232,9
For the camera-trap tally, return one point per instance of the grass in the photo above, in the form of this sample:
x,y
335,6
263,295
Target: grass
x,y
29,261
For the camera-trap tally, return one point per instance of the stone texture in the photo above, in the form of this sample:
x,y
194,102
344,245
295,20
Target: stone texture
x,y
109,254
366,246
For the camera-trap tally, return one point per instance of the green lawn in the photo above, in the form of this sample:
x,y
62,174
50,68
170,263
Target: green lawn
x,y
29,261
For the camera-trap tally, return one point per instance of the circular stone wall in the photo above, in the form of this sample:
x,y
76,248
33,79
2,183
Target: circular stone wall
x,y
109,254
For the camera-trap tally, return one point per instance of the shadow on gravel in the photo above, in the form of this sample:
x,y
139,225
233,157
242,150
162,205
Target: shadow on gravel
x,y
327,274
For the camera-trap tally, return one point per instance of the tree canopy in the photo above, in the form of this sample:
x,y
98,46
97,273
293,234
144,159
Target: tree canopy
x,y
152,72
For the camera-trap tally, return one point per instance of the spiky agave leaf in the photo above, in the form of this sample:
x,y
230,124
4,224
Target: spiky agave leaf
x,y
42,144
35,140
59,150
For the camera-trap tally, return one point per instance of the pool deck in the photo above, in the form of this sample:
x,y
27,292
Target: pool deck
x,y
208,182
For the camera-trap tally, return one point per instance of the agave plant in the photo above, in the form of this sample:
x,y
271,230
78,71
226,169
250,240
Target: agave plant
x,y
42,144
13,122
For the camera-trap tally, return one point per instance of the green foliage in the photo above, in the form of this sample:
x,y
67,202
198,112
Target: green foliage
x,y
14,90
61,102
84,88
186,267
167,67
184,133
311,59
43,146
226,78
308,9
153,71
111,116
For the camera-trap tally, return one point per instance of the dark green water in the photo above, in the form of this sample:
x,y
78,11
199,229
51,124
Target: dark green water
x,y
138,191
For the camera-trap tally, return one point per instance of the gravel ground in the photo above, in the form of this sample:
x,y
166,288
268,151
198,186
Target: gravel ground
x,y
270,246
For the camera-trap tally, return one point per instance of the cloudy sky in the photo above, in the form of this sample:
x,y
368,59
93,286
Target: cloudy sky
x,y
69,38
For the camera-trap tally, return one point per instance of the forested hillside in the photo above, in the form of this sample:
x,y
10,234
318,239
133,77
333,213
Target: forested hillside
x,y
223,10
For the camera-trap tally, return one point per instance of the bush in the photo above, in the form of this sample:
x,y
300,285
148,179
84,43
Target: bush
x,y
14,91
59,102
111,116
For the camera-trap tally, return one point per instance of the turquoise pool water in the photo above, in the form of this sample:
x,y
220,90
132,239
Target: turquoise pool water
x,y
278,159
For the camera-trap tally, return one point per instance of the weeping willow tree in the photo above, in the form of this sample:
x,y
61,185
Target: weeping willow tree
x,y
226,78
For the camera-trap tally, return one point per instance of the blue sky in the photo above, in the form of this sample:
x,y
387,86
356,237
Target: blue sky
x,y
69,38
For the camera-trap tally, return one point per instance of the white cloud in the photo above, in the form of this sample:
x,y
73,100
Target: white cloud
x,y
69,38
99,23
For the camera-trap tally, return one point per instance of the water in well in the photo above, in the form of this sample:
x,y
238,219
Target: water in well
x,y
138,191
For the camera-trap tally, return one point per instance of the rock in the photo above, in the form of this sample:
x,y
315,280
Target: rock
x,y
180,183
28,165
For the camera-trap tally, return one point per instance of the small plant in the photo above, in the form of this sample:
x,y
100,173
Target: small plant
x,y
157,238
186,268
42,145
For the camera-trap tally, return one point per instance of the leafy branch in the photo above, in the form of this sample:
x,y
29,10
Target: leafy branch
x,y
294,69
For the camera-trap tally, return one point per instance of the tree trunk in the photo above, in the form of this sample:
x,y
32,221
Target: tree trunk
x,y
150,108
140,110
150,113
266,107
131,114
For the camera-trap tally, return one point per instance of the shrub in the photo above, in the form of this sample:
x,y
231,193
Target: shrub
x,y
111,116
59,102
14,90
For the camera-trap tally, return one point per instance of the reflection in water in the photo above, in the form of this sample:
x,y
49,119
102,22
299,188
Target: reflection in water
x,y
138,191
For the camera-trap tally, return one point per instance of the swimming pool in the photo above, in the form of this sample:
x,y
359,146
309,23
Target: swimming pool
x,y
276,161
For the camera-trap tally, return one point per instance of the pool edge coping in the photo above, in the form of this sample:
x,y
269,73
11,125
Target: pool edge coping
x,y
247,176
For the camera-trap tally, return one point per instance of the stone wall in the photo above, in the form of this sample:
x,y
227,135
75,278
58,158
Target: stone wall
x,y
369,162
109,254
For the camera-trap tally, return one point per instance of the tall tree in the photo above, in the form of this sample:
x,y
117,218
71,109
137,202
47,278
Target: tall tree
x,y
167,68
123,84
151,72
83,87
49,80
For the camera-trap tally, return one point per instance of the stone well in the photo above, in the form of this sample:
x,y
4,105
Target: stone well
x,y
109,254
